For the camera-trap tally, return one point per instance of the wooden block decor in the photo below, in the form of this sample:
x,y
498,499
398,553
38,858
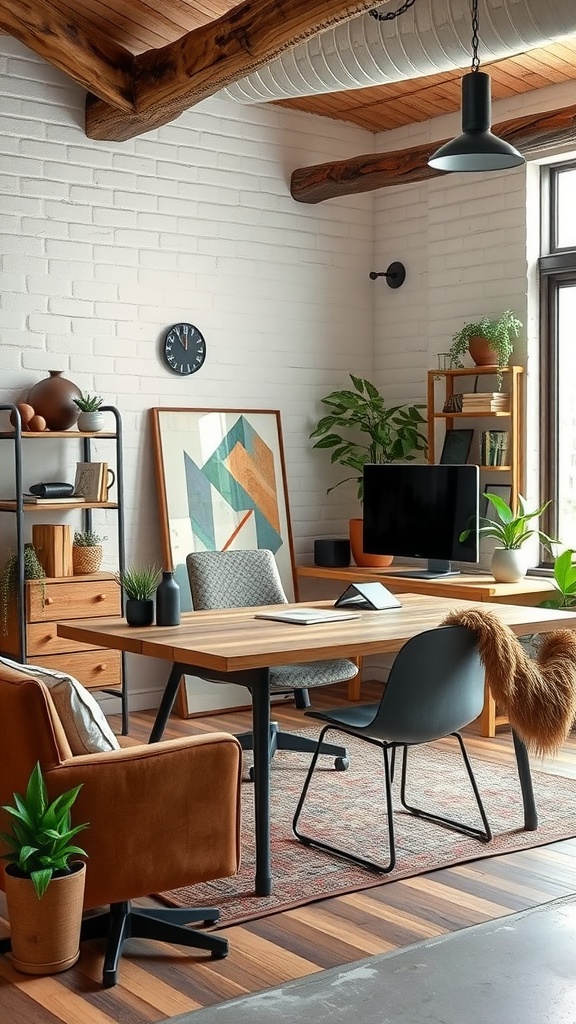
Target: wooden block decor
x,y
53,546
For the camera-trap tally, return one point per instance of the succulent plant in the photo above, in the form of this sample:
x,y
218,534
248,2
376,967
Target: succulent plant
x,y
87,539
88,403
139,582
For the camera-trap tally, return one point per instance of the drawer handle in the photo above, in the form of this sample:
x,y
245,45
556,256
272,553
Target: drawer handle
x,y
102,667
101,597
49,600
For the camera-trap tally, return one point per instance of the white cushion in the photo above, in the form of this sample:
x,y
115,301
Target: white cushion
x,y
83,720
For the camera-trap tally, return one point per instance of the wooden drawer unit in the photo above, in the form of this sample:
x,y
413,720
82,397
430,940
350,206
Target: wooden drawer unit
x,y
73,597
95,668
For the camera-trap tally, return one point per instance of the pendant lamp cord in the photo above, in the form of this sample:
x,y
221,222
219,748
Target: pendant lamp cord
x,y
390,15
475,40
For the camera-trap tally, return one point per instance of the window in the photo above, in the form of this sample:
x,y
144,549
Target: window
x,y
558,352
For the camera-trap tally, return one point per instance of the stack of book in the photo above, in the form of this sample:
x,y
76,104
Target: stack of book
x,y
494,448
489,401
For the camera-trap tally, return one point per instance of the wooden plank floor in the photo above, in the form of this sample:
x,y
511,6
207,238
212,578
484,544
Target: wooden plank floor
x,y
159,981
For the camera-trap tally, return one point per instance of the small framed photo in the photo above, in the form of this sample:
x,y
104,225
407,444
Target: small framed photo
x,y
89,480
503,491
456,447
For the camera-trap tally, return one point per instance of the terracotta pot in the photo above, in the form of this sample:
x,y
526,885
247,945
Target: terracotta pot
x,y
52,397
356,527
509,565
45,933
86,559
481,353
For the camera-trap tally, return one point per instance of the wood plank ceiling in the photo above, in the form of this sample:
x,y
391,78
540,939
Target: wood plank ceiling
x,y
143,62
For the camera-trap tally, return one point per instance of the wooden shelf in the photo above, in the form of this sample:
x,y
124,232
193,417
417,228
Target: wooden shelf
x,y
10,505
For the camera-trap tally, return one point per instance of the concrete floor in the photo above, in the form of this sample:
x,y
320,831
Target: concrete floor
x,y
520,969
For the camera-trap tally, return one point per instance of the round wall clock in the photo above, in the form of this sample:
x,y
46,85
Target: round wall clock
x,y
184,348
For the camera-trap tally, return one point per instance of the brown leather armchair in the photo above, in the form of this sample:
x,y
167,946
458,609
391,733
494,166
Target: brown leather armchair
x,y
160,816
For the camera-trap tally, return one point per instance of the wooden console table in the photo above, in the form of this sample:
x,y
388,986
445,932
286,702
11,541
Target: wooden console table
x,y
465,587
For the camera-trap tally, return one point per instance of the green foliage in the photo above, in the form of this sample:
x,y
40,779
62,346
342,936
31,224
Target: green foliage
x,y
510,529
87,539
9,581
88,403
392,434
139,582
41,832
499,331
564,581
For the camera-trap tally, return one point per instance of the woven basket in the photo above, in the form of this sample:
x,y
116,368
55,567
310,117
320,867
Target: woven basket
x,y
86,560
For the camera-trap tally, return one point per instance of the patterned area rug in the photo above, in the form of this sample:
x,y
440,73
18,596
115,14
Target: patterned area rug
x,y
348,809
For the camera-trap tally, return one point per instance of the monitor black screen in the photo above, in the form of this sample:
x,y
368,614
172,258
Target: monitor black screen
x,y
419,511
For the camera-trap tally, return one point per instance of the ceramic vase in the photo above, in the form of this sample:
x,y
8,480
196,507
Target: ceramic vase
x,y
167,601
52,399
91,421
509,565
356,527
45,934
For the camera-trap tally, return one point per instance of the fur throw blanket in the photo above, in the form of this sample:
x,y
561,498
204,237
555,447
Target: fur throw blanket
x,y
538,696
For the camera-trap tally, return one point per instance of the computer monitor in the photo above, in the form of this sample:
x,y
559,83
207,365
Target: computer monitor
x,y
419,512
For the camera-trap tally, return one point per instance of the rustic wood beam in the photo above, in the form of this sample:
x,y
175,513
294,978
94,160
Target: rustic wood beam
x,y
533,133
172,79
93,61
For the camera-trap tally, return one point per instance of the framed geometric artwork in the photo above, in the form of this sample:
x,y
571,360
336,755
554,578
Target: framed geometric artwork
x,y
221,484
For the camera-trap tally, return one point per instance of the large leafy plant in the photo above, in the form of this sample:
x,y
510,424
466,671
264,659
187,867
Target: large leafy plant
x,y
40,840
391,434
511,529
564,581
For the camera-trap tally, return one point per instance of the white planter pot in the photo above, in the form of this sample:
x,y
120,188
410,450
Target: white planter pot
x,y
91,421
509,565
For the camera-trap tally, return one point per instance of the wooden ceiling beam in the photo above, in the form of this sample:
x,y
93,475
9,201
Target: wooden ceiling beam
x,y
93,61
533,133
170,80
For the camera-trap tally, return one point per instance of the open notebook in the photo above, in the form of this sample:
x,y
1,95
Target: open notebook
x,y
307,616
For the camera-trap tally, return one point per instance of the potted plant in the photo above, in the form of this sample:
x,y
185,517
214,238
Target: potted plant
x,y
489,341
374,433
511,530
86,552
564,581
9,581
44,886
139,584
90,418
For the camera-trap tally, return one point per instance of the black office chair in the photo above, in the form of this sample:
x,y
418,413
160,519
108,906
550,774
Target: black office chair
x,y
246,578
435,688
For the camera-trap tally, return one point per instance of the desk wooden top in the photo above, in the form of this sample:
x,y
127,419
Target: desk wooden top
x,y
231,640
469,586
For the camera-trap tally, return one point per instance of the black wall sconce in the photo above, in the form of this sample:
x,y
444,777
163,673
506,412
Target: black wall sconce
x,y
395,275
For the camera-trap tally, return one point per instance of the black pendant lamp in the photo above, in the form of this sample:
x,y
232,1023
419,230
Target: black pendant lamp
x,y
476,149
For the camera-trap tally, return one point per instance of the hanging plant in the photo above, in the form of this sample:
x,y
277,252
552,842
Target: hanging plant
x,y
9,581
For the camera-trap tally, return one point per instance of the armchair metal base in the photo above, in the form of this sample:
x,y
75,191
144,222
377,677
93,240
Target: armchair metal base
x,y
122,921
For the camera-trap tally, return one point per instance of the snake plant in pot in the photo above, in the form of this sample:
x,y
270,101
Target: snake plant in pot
x,y
360,428
139,584
44,881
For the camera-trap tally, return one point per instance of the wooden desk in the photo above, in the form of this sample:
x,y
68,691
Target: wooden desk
x,y
466,586
232,640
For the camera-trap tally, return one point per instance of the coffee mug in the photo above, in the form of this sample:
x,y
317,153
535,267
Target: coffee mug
x,y
111,480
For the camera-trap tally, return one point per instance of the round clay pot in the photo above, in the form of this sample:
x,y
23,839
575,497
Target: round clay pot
x,y
45,933
509,565
481,353
356,527
52,399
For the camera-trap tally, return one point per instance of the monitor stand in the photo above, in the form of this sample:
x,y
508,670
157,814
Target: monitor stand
x,y
437,569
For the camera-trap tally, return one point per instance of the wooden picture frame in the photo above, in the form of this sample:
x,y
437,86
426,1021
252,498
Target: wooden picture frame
x,y
90,479
221,483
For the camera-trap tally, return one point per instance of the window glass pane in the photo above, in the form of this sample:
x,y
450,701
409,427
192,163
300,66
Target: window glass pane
x,y
566,211
566,415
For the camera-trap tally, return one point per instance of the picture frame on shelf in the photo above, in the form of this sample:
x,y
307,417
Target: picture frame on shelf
x,y
503,491
89,481
456,447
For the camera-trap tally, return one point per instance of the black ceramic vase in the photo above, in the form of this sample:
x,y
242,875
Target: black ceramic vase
x,y
139,612
167,601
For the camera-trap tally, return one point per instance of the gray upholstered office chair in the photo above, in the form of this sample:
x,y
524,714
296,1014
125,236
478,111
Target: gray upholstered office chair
x,y
245,578
435,688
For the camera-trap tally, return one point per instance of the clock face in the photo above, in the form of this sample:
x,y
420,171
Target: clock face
x,y
184,349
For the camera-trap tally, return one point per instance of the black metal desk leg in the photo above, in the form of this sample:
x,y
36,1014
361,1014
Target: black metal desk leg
x,y
167,702
523,763
261,734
